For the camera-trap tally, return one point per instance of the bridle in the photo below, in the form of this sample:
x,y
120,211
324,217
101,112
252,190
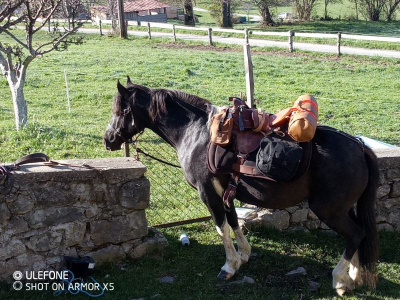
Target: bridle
x,y
134,139
121,131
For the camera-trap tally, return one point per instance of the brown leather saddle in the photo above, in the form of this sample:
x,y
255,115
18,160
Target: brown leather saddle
x,y
238,156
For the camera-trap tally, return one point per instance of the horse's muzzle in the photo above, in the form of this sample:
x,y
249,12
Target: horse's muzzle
x,y
112,142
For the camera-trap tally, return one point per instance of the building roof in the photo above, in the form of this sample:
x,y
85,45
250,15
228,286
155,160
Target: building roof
x,y
135,6
139,5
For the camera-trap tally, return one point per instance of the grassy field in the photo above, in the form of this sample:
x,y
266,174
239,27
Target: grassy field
x,y
357,95
275,253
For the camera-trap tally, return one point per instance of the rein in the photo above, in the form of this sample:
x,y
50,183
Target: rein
x,y
138,150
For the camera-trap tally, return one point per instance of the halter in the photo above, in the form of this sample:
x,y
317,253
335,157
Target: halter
x,y
117,131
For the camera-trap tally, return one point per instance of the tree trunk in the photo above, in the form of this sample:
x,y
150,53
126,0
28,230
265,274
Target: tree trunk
x,y
266,16
356,5
226,14
16,81
326,9
20,108
189,14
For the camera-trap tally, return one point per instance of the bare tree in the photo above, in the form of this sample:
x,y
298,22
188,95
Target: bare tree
x,y
326,3
15,59
264,9
304,9
189,14
226,14
187,9
390,8
373,8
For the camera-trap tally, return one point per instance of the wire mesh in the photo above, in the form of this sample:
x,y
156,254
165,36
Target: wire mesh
x,y
172,199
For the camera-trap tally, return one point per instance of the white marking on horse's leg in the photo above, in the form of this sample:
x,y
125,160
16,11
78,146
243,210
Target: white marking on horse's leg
x,y
354,272
244,248
341,280
217,187
232,263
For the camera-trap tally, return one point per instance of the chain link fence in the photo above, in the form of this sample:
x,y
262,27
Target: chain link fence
x,y
172,200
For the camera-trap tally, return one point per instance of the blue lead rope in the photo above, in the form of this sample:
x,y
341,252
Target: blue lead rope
x,y
71,287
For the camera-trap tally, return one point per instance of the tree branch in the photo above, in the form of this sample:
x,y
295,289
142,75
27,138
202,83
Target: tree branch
x,y
57,41
16,39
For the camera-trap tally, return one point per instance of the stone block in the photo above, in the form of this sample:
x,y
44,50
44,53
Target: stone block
x,y
22,203
16,225
385,227
383,191
393,173
311,215
313,224
394,219
110,253
12,248
149,245
52,216
395,191
119,229
135,194
292,209
278,219
5,214
324,226
74,233
299,216
44,242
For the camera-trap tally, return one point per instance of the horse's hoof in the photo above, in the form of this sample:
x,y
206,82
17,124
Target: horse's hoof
x,y
341,292
224,275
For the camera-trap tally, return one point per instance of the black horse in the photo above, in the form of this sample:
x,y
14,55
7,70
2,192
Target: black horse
x,y
342,172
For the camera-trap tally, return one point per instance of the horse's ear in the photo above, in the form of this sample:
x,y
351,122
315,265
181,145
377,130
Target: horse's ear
x,y
122,90
128,80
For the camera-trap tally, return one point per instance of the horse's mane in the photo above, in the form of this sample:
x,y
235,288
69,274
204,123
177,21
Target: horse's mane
x,y
159,98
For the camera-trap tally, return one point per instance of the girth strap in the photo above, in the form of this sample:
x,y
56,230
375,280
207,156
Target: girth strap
x,y
230,191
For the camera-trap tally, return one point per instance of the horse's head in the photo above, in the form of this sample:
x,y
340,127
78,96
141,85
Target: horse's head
x,y
123,124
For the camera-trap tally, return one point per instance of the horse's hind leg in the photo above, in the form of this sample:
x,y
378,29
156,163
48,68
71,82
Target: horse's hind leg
x,y
355,271
345,226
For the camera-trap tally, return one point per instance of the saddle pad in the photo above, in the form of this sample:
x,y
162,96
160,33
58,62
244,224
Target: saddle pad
x,y
220,159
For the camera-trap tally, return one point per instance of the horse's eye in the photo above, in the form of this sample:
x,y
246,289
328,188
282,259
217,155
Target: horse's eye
x,y
127,111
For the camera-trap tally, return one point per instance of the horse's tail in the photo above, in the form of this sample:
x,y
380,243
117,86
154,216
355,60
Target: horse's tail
x,y
368,249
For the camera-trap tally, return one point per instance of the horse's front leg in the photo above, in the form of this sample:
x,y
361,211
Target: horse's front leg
x,y
233,259
244,248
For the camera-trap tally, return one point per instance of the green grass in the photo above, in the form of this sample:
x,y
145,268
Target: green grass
x,y
358,95
274,254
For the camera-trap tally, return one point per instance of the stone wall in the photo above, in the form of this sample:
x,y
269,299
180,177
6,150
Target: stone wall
x,y
301,217
48,212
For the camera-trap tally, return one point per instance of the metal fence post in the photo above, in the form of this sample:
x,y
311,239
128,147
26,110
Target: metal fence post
x,y
101,30
149,30
174,32
246,35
